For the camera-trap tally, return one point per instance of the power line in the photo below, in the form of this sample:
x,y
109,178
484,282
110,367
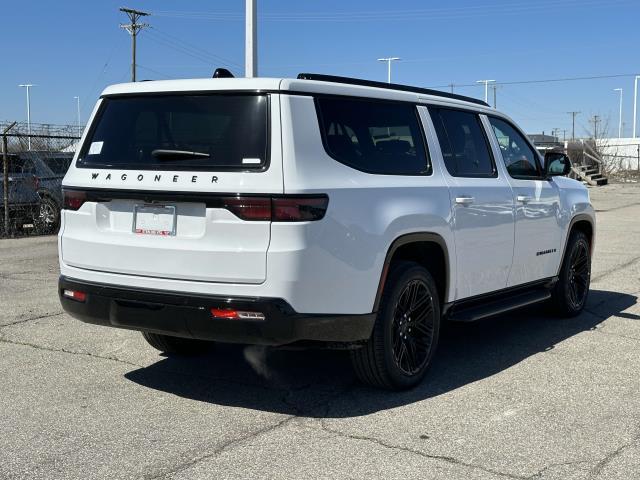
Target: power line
x,y
204,58
547,80
476,10
196,48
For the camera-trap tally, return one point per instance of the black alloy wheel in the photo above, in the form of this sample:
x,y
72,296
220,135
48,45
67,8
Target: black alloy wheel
x,y
405,333
570,293
579,275
413,327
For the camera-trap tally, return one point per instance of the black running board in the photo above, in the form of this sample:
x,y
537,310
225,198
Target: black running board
x,y
477,309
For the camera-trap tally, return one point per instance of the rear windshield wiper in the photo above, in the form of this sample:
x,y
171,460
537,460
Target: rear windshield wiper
x,y
161,154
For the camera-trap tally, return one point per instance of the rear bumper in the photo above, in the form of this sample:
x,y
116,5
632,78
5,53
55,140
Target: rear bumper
x,y
188,315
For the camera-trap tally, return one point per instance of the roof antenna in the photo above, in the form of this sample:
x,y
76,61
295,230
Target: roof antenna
x,y
222,73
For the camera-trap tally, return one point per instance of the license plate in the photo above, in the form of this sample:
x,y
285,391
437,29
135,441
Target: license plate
x,y
154,220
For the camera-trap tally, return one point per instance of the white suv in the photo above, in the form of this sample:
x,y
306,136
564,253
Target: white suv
x,y
317,210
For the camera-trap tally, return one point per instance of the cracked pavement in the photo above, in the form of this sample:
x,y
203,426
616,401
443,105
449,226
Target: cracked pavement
x,y
521,396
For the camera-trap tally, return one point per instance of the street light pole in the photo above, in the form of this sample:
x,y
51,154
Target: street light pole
x,y
388,60
635,104
251,40
620,117
486,88
78,118
28,86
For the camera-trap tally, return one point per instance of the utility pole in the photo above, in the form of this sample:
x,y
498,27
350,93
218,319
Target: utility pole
x,y
573,124
486,88
251,40
28,87
495,95
133,28
620,117
451,85
78,117
5,178
595,120
389,60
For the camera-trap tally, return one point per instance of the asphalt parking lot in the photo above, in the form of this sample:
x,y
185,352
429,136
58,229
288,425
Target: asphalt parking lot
x,y
523,396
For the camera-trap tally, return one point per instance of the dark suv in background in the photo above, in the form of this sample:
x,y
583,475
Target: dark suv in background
x,y
23,198
49,168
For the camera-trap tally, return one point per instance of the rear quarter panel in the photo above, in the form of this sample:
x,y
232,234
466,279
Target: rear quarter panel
x,y
335,265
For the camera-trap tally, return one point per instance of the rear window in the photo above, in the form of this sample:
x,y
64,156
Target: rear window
x,y
179,132
373,136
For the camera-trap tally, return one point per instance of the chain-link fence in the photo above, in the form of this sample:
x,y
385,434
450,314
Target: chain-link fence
x,y
34,160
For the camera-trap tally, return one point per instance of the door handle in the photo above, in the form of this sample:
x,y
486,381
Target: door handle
x,y
465,200
523,199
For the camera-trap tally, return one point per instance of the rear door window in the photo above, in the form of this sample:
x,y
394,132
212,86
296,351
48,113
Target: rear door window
x,y
464,145
179,132
373,136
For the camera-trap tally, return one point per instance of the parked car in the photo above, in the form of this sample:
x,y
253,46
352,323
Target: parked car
x,y
50,168
315,211
23,199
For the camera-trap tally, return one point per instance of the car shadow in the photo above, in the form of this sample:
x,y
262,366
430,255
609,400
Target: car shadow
x,y
320,383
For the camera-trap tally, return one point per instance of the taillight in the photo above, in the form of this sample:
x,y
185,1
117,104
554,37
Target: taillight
x,y
73,199
249,208
299,209
278,209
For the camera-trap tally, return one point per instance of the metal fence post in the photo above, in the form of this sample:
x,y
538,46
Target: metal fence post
x,y
5,177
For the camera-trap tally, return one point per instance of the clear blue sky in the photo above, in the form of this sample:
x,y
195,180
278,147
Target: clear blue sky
x,y
71,48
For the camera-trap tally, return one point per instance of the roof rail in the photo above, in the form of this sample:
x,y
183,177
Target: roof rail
x,y
389,86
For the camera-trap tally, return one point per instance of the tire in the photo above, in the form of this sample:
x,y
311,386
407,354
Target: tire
x,y
388,360
176,345
48,218
570,293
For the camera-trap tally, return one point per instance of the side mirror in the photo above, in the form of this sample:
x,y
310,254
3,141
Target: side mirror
x,y
556,163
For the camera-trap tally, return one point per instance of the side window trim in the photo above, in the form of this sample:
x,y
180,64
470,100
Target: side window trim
x,y
536,155
432,110
428,171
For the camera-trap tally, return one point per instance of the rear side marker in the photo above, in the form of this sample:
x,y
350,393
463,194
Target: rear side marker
x,y
75,295
236,314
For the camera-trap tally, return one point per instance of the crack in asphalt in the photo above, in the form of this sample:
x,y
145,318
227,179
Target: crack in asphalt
x,y
25,320
613,209
606,461
286,391
222,448
544,469
401,448
63,350
605,274
246,438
